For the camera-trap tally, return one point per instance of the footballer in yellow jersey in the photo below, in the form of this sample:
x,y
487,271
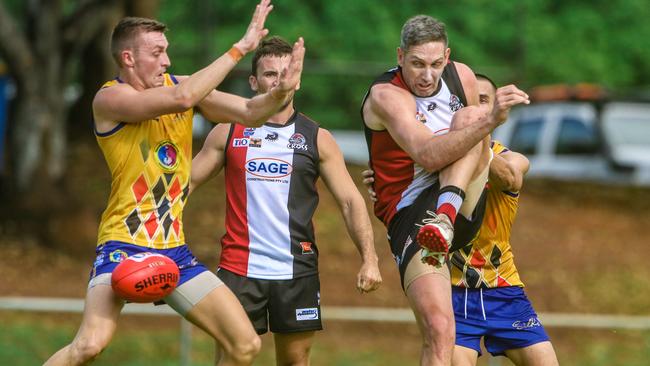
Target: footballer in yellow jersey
x,y
487,294
143,124
150,167
488,261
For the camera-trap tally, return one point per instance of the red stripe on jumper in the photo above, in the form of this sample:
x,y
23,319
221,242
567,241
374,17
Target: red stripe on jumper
x,y
235,243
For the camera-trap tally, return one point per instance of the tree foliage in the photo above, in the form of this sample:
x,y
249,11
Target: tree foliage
x,y
527,42
49,45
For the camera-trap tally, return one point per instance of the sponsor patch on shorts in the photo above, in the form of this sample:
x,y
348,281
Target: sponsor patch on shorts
x,y
307,314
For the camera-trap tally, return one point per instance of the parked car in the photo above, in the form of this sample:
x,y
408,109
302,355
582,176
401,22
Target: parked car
x,y
600,140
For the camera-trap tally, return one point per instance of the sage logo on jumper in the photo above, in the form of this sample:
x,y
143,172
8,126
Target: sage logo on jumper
x,y
268,167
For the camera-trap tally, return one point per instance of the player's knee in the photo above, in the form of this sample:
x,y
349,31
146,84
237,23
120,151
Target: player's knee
x,y
245,351
86,349
439,328
467,116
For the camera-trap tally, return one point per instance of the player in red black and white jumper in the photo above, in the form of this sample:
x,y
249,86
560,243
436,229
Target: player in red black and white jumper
x,y
269,256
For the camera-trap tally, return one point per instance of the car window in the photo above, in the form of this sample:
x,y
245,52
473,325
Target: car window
x,y
526,135
576,137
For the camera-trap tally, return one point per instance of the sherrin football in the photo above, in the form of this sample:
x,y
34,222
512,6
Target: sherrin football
x,y
145,277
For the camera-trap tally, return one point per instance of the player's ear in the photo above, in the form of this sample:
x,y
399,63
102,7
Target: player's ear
x,y
127,57
400,56
447,53
252,80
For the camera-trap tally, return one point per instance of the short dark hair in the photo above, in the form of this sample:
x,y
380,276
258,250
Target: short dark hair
x,y
485,77
127,29
422,29
273,46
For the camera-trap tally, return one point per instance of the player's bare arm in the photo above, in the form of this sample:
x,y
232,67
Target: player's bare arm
x,y
353,208
126,103
507,171
224,107
210,160
392,108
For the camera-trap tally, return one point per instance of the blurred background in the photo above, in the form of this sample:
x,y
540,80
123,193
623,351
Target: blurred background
x,y
581,239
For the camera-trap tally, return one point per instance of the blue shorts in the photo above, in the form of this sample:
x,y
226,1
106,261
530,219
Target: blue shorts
x,y
111,253
504,316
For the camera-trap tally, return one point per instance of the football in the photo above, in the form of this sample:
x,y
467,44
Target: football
x,y
145,277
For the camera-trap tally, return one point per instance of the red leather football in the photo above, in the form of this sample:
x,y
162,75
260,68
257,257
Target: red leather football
x,y
145,277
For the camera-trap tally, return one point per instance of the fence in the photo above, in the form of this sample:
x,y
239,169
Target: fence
x,y
593,321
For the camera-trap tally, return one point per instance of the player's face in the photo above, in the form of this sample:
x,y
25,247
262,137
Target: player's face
x,y
422,66
150,58
486,92
269,70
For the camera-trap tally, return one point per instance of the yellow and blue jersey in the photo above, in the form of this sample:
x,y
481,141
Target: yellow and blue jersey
x,y
150,165
488,262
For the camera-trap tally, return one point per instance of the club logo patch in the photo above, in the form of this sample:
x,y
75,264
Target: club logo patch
x,y
117,256
298,142
255,142
167,156
454,103
306,247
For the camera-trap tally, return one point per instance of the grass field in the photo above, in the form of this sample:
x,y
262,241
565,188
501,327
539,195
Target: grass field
x,y
28,339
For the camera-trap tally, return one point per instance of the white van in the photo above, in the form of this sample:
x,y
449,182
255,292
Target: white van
x,y
579,140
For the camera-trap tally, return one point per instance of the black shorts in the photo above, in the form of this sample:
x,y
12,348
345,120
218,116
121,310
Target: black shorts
x,y
284,306
402,229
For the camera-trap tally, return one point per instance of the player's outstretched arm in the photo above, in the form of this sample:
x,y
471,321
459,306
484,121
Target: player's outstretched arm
x,y
225,107
124,103
211,159
353,208
507,171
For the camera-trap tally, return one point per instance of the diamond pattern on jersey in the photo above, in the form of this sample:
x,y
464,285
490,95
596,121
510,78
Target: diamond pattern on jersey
x,y
151,225
477,260
174,190
167,224
158,191
495,257
133,222
153,214
140,188
144,150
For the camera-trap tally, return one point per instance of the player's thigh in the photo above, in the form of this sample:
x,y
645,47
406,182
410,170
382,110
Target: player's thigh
x,y
293,348
101,312
464,356
430,297
539,354
221,315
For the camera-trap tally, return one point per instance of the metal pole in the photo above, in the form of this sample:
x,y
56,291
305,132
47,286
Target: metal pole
x,y
186,343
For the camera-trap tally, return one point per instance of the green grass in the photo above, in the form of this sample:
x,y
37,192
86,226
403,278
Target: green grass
x,y
29,338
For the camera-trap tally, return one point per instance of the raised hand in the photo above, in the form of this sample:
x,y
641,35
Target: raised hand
x,y
256,31
507,97
290,78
